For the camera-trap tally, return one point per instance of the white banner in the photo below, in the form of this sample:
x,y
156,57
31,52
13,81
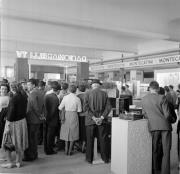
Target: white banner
x,y
137,63
50,56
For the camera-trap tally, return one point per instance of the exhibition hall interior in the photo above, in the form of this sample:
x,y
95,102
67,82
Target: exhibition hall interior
x,y
90,86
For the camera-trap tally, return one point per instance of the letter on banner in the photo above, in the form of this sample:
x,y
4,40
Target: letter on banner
x,y
43,55
84,59
21,54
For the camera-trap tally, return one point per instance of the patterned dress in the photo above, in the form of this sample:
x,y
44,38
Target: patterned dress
x,y
70,128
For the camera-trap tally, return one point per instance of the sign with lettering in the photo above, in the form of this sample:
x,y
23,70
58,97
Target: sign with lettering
x,y
50,56
153,61
137,63
106,67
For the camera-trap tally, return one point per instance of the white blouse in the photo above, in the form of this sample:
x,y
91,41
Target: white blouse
x,y
71,103
4,102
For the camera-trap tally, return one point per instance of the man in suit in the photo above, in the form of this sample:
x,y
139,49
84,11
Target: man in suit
x,y
97,108
156,110
52,118
35,116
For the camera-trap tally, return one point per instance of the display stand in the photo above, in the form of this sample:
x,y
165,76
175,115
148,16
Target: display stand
x,y
131,148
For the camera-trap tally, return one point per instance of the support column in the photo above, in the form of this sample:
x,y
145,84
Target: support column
x,y
29,70
133,75
111,75
121,75
40,75
136,77
21,69
82,71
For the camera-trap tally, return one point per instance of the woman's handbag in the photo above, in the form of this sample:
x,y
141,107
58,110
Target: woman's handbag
x,y
8,144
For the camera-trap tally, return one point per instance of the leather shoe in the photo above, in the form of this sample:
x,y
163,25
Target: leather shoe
x,y
90,162
70,153
29,159
51,153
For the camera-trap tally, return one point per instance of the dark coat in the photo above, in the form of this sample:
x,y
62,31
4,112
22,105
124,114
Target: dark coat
x,y
35,107
17,107
51,102
96,103
156,110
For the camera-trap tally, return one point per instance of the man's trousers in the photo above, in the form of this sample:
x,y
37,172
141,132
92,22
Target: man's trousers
x,y
49,138
32,151
165,138
101,132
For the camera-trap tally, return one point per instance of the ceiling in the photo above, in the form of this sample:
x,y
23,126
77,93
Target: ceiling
x,y
101,29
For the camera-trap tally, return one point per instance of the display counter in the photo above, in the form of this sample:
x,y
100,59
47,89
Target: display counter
x,y
131,147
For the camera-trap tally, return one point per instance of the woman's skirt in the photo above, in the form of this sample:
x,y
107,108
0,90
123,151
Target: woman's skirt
x,y
70,127
19,134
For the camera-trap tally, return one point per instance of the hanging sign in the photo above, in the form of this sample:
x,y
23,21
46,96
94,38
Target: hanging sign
x,y
106,67
153,61
137,63
50,56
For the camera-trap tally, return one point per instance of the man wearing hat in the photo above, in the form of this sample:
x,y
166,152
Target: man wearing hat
x,y
97,108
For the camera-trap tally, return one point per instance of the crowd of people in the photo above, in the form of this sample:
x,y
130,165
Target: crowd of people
x,y
58,115
66,116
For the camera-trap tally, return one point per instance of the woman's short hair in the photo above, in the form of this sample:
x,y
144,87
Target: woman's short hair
x,y
16,87
72,88
5,85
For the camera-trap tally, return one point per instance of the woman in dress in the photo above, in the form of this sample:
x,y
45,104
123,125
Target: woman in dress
x,y
70,125
16,125
4,101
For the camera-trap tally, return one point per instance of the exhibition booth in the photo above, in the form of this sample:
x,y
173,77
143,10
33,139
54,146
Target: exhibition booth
x,y
49,66
131,147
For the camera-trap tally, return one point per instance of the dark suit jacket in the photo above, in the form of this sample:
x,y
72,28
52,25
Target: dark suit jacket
x,y
51,109
156,110
96,103
35,107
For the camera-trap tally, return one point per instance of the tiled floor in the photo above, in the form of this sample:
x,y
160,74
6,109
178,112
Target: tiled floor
x,y
62,164
76,164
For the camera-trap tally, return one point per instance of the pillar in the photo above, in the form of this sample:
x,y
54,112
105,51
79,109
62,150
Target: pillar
x,y
133,75
21,69
111,75
136,77
82,71
121,75
40,75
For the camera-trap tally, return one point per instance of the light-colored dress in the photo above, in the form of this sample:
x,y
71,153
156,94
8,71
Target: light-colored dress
x,y
19,134
17,128
70,127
